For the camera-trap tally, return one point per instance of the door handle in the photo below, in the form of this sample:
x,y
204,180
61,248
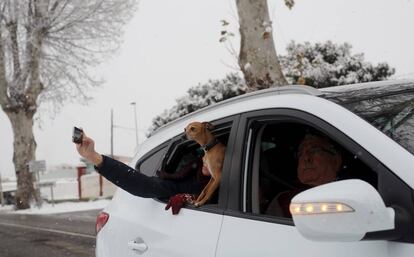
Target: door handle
x,y
138,245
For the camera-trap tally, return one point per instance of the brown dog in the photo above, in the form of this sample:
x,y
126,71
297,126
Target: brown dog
x,y
214,152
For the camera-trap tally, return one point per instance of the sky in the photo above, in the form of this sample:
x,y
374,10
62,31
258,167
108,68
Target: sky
x,y
170,46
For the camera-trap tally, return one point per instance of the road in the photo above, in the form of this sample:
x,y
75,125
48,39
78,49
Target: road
x,y
67,235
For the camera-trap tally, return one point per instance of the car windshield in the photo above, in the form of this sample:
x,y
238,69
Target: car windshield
x,y
389,108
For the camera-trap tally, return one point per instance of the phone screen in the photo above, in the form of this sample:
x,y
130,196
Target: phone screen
x,y
77,135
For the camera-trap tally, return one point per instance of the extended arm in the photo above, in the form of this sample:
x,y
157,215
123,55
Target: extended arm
x,y
131,180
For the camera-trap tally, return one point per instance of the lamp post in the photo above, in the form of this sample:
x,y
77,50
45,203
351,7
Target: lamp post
x,y
136,124
1,192
112,133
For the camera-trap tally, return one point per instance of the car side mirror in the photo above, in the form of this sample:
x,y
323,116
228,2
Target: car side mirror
x,y
341,211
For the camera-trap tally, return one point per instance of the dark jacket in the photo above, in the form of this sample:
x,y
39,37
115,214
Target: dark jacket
x,y
142,185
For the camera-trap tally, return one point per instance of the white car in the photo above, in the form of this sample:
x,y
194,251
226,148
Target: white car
x,y
370,212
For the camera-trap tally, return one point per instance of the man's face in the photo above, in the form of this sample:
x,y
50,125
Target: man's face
x,y
318,162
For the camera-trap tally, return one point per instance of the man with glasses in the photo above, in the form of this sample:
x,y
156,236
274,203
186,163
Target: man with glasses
x,y
319,162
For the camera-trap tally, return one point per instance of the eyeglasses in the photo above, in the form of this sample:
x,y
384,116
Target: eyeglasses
x,y
316,150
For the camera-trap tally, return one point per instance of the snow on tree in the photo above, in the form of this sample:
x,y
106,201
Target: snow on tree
x,y
329,64
46,50
320,65
201,96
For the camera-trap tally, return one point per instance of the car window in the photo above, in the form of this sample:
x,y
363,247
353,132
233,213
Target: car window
x,y
151,162
183,159
273,178
179,160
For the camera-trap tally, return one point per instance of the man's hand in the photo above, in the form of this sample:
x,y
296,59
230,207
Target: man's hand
x,y
87,150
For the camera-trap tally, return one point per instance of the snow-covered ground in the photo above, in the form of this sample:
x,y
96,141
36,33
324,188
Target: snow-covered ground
x,y
48,208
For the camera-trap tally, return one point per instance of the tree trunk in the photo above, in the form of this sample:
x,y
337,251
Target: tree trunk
x,y
258,59
24,152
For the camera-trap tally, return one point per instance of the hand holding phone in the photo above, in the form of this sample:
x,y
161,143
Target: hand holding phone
x,y
77,135
86,147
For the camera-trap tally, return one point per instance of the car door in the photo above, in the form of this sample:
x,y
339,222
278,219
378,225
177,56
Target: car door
x,y
142,226
247,231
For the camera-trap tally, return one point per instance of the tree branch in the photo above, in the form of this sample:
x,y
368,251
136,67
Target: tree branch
x,y
12,27
35,86
4,99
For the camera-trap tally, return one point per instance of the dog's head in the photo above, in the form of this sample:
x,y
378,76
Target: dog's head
x,y
197,130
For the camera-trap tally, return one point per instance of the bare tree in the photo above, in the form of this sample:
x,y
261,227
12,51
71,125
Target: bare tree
x,y
258,59
47,48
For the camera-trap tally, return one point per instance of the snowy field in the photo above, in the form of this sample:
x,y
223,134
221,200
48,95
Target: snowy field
x,y
48,208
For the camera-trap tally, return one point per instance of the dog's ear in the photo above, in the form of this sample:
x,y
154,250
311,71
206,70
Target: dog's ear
x,y
208,125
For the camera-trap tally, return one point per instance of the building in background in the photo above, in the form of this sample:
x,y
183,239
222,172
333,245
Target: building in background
x,y
8,188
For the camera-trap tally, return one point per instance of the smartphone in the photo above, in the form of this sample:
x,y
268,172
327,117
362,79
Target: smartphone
x,y
77,135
